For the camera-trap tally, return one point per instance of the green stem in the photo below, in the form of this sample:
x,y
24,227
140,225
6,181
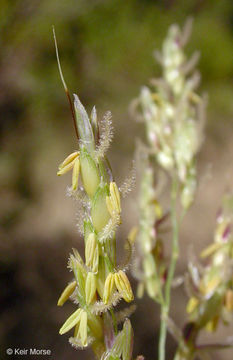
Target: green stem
x,y
160,292
114,321
175,253
162,334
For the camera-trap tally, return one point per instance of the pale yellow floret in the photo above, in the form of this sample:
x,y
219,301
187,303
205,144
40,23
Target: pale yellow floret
x,y
99,211
89,172
68,291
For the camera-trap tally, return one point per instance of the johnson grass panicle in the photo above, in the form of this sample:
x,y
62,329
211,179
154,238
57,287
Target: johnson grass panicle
x,y
173,113
98,283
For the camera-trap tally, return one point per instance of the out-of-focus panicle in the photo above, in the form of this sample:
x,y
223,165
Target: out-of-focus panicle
x,y
215,281
174,114
210,285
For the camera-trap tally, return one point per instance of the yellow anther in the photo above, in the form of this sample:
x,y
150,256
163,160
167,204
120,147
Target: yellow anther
x,y
115,197
92,252
229,300
90,287
123,286
76,330
192,304
108,287
113,201
132,235
210,286
140,290
68,160
75,175
73,320
71,162
110,206
66,168
158,209
66,293
82,331
68,163
211,326
210,250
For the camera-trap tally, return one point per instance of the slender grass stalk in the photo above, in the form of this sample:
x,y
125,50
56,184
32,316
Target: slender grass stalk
x,y
165,307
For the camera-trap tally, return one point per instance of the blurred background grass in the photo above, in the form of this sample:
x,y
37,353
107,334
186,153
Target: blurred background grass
x,y
106,51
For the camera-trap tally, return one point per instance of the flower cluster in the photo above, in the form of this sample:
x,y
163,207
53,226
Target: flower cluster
x,y
173,113
210,287
98,282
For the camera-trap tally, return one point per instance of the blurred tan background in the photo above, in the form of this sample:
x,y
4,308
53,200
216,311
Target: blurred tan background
x,y
106,49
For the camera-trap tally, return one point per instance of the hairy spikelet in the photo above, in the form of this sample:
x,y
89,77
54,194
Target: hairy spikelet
x,y
129,182
125,313
69,264
80,217
109,229
74,297
136,269
77,344
100,307
129,250
78,195
82,206
106,136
